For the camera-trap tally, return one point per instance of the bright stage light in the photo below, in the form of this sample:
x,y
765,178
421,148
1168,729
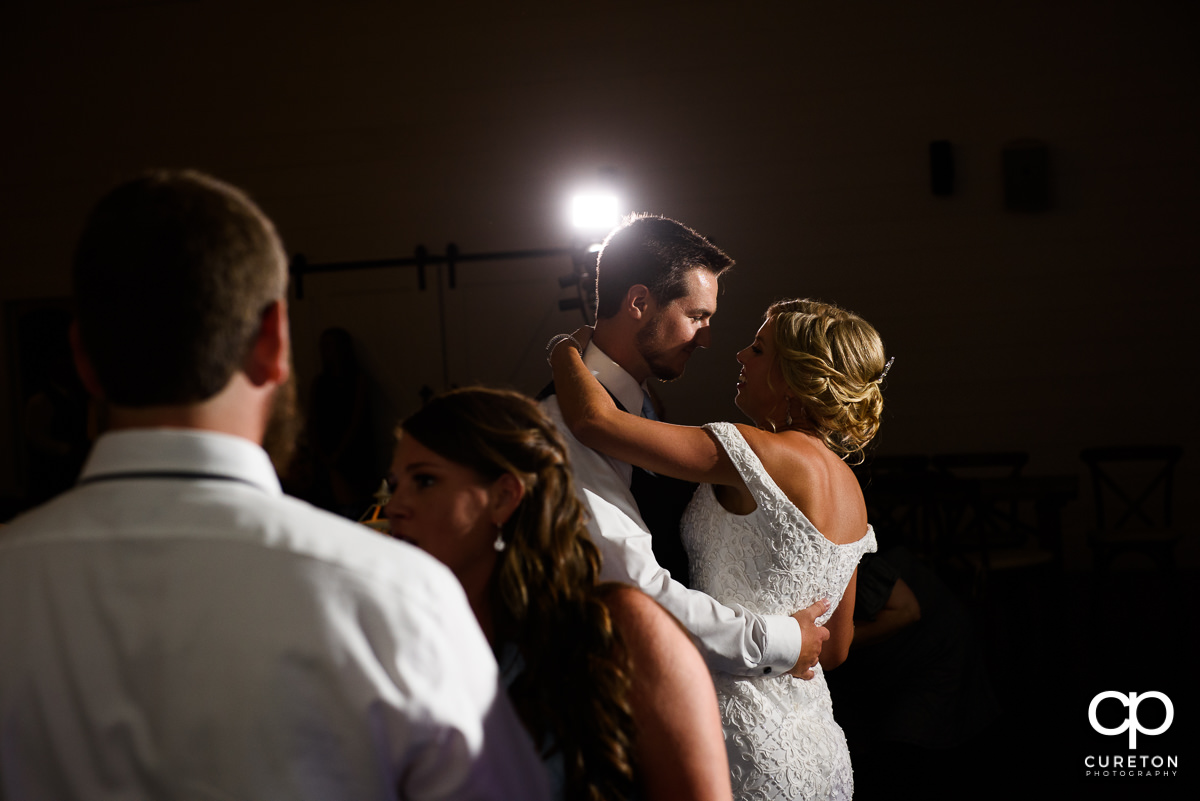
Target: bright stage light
x,y
595,212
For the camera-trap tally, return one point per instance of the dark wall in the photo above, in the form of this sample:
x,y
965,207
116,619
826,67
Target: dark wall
x,y
794,134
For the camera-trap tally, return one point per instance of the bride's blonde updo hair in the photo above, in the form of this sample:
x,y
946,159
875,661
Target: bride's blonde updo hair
x,y
833,361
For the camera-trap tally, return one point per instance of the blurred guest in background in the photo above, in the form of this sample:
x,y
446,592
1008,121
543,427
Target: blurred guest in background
x,y
339,429
59,422
923,716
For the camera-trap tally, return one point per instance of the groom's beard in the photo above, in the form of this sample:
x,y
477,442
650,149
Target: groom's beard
x,y
666,364
283,426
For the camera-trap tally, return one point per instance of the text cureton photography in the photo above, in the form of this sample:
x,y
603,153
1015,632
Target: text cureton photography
x,y
1112,714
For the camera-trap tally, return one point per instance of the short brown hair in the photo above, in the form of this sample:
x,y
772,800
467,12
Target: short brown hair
x,y
657,252
171,277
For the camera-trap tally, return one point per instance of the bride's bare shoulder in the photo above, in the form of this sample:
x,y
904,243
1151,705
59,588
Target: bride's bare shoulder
x,y
787,452
815,479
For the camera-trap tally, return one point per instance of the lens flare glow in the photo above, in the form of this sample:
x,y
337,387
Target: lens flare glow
x,y
595,212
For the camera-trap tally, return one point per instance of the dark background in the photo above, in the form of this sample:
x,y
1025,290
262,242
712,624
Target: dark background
x,y
796,135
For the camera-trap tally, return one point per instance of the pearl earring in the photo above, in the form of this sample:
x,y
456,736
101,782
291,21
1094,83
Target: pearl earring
x,y
499,544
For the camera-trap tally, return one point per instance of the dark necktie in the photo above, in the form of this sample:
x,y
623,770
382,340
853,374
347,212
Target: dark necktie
x,y
661,500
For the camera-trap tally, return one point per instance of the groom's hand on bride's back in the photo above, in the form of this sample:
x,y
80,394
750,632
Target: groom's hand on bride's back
x,y
812,637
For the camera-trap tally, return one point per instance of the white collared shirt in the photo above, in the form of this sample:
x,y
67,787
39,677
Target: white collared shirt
x,y
731,638
176,627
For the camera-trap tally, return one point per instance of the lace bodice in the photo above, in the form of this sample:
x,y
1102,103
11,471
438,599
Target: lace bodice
x,y
772,561
780,734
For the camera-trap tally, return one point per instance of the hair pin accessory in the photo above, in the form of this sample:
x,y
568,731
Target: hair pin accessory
x,y
886,367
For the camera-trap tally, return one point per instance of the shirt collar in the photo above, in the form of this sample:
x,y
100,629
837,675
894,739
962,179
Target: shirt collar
x,y
179,450
615,379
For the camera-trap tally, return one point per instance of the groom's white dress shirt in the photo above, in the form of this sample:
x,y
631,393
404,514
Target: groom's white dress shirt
x,y
176,628
731,638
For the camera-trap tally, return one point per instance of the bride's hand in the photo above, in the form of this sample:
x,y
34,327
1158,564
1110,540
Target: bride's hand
x,y
583,335
580,336
576,341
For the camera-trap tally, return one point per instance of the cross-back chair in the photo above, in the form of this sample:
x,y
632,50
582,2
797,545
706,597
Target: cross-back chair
x,y
988,520
896,491
1132,488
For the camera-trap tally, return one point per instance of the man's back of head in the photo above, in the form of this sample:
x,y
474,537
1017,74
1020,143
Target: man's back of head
x,y
174,626
654,251
172,275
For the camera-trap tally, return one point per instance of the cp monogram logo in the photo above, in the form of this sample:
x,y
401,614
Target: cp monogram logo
x,y
1131,723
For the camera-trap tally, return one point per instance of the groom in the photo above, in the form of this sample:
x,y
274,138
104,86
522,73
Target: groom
x,y
656,293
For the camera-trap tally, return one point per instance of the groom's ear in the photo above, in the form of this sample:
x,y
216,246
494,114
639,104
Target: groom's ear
x,y
637,301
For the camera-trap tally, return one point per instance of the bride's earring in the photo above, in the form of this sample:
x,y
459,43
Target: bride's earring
x,y
499,544
787,421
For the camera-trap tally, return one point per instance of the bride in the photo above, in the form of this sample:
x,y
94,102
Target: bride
x,y
778,523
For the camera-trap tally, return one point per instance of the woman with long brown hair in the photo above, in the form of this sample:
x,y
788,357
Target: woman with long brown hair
x,y
606,682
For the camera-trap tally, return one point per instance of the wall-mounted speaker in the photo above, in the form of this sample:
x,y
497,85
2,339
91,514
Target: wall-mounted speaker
x,y
941,167
1026,167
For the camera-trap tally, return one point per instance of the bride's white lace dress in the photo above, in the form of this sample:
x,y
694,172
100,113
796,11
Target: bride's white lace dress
x,y
782,740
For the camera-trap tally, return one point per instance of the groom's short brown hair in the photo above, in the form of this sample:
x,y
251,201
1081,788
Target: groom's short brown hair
x,y
657,252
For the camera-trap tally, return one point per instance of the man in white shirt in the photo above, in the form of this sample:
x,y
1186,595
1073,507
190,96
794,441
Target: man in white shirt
x,y
175,627
656,290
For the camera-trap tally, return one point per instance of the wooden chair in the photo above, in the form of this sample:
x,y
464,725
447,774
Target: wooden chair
x,y
1133,486
988,517
896,491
